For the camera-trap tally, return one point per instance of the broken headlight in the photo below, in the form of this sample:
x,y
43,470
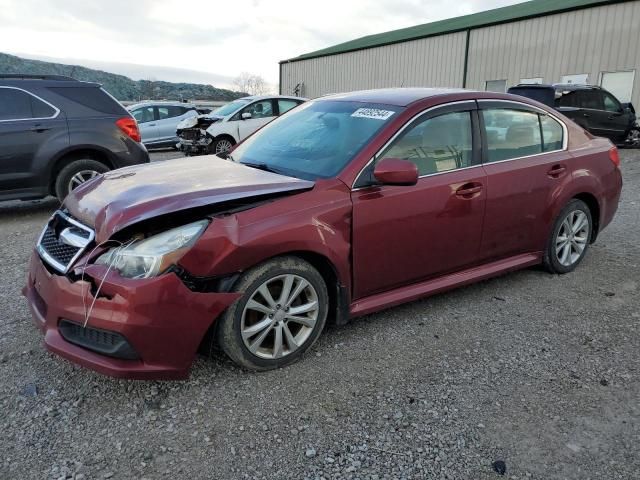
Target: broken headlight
x,y
152,256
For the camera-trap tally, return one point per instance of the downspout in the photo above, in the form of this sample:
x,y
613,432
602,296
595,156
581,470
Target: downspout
x,y
466,60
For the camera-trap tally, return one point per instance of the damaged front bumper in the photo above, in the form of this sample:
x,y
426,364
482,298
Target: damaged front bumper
x,y
158,322
194,141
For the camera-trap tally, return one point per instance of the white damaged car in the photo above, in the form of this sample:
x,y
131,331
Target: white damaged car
x,y
220,130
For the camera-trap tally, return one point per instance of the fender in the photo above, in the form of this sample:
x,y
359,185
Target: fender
x,y
301,223
224,127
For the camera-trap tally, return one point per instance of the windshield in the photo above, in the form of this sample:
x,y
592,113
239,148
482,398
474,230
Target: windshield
x,y
315,140
229,108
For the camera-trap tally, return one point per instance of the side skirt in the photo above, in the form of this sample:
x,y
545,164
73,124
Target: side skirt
x,y
412,292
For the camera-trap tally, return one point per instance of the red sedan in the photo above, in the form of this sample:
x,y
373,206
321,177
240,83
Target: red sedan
x,y
344,206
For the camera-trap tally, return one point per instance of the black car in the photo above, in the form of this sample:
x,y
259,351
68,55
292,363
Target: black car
x,y
593,108
57,132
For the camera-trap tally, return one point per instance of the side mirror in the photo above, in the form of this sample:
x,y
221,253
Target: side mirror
x,y
246,116
395,171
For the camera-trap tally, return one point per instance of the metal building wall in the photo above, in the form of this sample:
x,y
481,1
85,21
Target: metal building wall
x,y
591,41
436,62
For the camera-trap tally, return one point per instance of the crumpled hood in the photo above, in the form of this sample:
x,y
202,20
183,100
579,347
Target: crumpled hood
x,y
129,195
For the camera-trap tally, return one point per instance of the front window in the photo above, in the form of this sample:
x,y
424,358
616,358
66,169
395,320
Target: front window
x,y
143,114
230,108
317,139
436,144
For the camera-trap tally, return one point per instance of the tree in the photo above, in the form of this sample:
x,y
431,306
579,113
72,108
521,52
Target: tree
x,y
251,84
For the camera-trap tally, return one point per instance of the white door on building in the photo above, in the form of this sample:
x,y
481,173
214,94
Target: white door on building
x,y
576,79
619,83
531,81
499,86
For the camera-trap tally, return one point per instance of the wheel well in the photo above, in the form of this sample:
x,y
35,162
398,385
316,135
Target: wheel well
x,y
224,135
594,207
338,297
69,157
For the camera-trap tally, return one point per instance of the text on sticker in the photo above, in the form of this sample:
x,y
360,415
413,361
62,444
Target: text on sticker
x,y
372,113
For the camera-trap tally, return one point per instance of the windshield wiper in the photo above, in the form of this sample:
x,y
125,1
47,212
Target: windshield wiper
x,y
261,166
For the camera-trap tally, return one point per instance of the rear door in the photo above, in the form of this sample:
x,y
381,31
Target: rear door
x,y
526,162
27,124
262,112
404,234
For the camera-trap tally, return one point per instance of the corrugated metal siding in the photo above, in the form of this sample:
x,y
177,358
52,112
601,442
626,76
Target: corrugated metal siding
x,y
433,62
592,41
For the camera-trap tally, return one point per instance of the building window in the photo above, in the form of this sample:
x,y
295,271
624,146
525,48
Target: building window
x,y
576,79
619,83
531,81
499,86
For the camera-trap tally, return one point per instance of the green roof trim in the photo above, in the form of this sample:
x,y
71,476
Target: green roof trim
x,y
519,11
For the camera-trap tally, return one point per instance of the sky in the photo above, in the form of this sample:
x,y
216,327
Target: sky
x,y
206,41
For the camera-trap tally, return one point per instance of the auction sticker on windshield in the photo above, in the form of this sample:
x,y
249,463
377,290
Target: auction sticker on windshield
x,y
372,113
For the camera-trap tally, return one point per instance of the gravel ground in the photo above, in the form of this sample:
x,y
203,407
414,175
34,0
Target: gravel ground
x,y
534,370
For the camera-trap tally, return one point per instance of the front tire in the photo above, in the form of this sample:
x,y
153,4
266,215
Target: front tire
x,y
570,238
280,315
221,145
75,174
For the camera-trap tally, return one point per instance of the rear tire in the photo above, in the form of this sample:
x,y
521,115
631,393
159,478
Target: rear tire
x,y
272,330
76,173
569,239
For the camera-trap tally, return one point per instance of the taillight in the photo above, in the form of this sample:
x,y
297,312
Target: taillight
x,y
130,128
614,156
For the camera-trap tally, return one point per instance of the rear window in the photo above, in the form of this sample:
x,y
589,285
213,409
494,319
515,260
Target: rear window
x,y
93,98
540,94
19,105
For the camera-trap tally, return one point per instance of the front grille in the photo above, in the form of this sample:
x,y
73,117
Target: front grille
x,y
105,342
190,134
63,240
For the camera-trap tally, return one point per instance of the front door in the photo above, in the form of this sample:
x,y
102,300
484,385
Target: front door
x,y
262,112
403,234
611,122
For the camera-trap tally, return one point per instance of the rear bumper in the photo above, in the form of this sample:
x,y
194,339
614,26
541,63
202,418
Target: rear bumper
x,y
162,320
611,199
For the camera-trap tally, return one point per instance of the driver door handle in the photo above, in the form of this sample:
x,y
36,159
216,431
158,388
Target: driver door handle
x,y
469,190
556,171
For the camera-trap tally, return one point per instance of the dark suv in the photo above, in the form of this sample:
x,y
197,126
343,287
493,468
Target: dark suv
x,y
593,108
57,132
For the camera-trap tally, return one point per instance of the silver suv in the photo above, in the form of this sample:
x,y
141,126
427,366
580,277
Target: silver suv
x,y
158,121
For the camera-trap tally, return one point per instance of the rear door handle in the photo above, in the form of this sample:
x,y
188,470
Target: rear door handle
x,y
556,171
469,190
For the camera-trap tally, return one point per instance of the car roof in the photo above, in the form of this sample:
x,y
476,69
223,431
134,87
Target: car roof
x,y
400,97
20,81
559,86
252,98
149,103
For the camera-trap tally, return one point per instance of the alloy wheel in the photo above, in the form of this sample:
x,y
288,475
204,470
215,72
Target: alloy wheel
x,y
223,146
572,237
280,316
81,177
